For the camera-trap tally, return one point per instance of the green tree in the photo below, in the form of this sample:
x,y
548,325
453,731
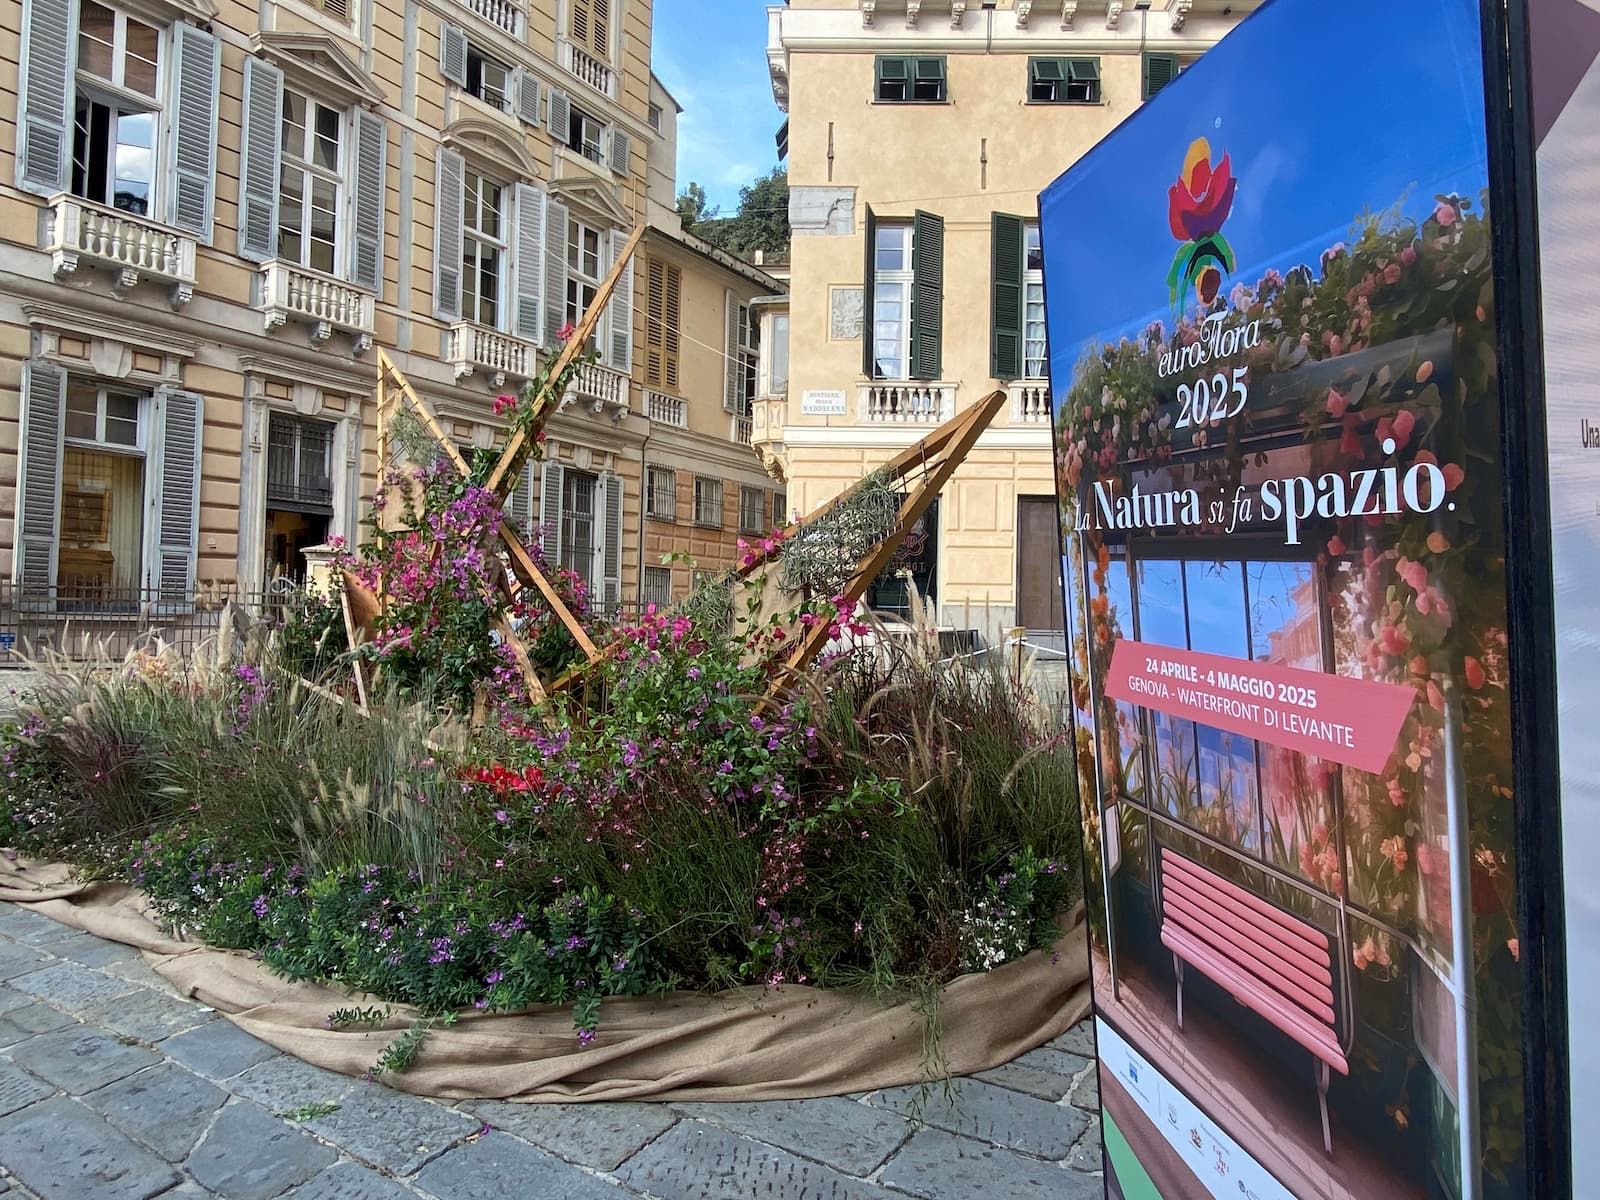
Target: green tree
x,y
693,207
762,222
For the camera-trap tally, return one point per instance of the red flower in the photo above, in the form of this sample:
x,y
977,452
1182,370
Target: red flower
x,y
1199,203
565,332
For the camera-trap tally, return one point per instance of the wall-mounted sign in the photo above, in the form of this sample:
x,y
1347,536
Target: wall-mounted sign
x,y
1288,522
816,402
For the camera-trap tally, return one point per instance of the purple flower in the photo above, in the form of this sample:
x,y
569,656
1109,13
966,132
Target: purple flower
x,y
494,977
630,753
500,816
585,1037
259,907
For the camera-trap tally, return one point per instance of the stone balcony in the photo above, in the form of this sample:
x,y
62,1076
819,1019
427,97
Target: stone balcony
x,y
322,303
586,67
600,389
80,233
1030,401
663,409
912,402
503,15
498,357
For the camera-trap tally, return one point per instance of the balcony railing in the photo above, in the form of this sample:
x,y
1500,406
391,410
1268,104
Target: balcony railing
x,y
666,410
1030,402
907,403
743,430
602,389
588,68
326,304
80,231
499,13
500,356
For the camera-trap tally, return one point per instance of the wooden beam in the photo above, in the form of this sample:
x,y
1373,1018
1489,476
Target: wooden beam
x,y
385,364
511,457
522,562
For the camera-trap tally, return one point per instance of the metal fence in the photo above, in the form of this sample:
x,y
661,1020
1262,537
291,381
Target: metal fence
x,y
82,624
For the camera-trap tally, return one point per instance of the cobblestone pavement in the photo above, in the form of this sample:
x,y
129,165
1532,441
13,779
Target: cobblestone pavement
x,y
112,1088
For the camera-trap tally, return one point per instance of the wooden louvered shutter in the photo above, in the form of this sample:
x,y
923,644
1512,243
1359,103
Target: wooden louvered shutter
x,y
175,499
193,120
453,55
553,479
1007,234
869,364
621,152
38,528
1159,70
673,317
45,101
655,319
619,312
519,508
611,552
371,157
560,116
732,376
555,271
259,160
525,96
449,201
927,295
529,265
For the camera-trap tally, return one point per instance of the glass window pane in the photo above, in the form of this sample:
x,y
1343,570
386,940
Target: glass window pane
x,y
294,124
1034,255
135,162
143,51
890,249
489,220
83,407
324,223
96,33
327,141
102,512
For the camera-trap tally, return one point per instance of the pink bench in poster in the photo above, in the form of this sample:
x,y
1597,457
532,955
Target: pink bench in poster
x,y
1273,963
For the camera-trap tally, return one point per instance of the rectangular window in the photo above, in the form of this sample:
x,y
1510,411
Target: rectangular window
x,y
904,79
589,24
483,251
1159,70
488,80
300,464
654,117
891,300
578,525
1033,364
1064,80
657,587
752,510
102,494
586,135
115,137
661,493
749,359
585,246
708,501
780,509
778,356
663,300
310,181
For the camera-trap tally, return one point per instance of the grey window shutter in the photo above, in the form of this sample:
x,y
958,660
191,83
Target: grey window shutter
x,y
560,116
529,265
196,63
611,552
448,202
259,158
45,90
555,271
1159,70
525,90
1005,309
869,364
927,295
453,54
619,314
621,152
732,377
44,401
366,250
519,508
175,498
554,476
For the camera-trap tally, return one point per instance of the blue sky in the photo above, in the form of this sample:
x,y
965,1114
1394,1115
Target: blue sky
x,y
1325,110
712,56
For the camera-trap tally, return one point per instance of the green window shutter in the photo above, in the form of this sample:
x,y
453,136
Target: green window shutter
x,y
1005,325
1047,70
46,93
259,158
38,528
892,70
927,295
1159,70
1084,70
868,284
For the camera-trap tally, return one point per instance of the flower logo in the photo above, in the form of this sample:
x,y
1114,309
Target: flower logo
x,y
1197,206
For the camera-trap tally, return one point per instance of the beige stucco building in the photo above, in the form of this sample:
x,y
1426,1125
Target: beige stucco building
x,y
920,134
212,214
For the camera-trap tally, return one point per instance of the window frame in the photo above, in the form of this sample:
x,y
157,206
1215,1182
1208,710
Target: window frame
x,y
302,159
113,93
103,392
907,71
902,278
577,120
707,495
479,90
1075,70
582,287
572,520
655,493
1032,285
749,358
298,427
759,524
475,242
661,594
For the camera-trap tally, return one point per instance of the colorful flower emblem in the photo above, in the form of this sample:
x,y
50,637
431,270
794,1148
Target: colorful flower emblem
x,y
1198,204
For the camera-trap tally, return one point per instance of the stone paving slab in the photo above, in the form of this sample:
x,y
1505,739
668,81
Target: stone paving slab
x,y
593,1135
59,1150
177,1103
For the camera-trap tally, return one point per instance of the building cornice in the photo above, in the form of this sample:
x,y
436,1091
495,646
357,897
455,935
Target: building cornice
x,y
728,262
862,437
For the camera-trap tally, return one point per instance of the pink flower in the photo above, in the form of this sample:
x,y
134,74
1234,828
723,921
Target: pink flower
x,y
1515,946
1453,476
1408,255
1391,273
1473,670
1445,214
1338,402
1404,423
503,404
1336,546
562,334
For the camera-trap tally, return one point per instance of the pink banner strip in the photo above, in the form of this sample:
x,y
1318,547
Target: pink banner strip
x,y
1349,721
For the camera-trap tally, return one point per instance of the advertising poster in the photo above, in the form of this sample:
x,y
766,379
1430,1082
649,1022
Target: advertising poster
x,y
1272,326
1565,52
